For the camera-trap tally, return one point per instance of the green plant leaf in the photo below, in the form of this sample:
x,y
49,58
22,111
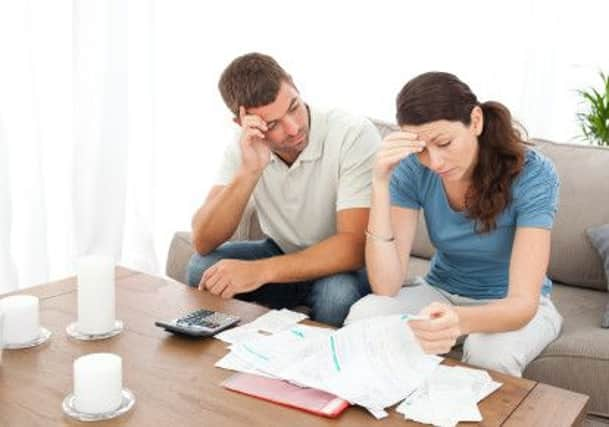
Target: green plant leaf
x,y
594,123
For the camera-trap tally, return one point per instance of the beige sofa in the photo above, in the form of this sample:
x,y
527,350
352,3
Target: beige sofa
x,y
579,359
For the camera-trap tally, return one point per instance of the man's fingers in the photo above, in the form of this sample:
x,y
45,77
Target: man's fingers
x,y
255,132
207,274
254,122
212,282
216,288
251,120
221,287
205,277
228,291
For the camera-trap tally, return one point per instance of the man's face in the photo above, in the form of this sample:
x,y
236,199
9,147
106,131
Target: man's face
x,y
287,121
451,148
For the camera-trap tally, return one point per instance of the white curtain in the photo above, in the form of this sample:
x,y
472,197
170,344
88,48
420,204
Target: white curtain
x,y
35,139
76,157
114,162
111,125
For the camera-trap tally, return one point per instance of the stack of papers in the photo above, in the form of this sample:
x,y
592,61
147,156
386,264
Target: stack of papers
x,y
449,396
374,363
269,323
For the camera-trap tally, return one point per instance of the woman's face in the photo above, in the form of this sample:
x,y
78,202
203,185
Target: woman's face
x,y
451,148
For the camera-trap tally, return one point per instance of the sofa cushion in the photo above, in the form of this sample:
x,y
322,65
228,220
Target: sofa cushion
x,y
584,202
579,359
599,236
180,251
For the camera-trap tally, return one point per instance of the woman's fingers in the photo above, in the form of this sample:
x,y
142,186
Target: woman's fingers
x,y
402,143
396,151
441,335
392,146
438,334
401,136
395,147
436,347
390,161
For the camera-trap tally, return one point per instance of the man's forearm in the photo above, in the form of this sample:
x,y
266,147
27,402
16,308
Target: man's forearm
x,y
342,252
219,217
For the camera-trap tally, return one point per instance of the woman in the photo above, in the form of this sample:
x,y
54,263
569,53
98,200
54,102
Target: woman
x,y
489,202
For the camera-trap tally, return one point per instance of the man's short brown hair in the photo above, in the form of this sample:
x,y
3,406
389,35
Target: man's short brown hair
x,y
251,80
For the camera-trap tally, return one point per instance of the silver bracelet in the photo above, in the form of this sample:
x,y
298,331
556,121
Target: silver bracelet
x,y
379,238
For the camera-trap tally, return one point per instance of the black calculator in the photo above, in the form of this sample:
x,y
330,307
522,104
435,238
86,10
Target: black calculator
x,y
200,323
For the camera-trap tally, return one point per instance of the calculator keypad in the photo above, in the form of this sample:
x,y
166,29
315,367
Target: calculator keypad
x,y
204,318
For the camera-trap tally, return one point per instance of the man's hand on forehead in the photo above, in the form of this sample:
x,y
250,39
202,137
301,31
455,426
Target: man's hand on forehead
x,y
255,153
251,121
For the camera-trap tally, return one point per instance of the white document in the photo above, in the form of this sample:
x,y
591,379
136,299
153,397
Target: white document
x,y
374,363
449,396
272,354
240,333
233,362
269,323
278,320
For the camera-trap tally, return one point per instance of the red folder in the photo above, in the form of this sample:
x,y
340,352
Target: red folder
x,y
282,392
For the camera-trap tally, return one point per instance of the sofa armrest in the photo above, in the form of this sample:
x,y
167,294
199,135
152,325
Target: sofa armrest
x,y
181,248
180,251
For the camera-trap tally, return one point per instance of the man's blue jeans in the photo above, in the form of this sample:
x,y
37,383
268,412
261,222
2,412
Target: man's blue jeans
x,y
329,298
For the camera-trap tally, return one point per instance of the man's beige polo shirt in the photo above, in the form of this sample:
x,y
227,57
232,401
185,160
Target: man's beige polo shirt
x,y
297,205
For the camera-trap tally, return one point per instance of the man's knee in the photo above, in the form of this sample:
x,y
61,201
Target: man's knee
x,y
489,351
197,266
333,296
371,306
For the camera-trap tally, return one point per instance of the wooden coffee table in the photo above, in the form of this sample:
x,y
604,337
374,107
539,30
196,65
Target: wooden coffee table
x,y
174,378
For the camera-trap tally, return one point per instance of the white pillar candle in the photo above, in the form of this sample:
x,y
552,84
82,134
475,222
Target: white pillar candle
x,y
98,383
96,307
21,319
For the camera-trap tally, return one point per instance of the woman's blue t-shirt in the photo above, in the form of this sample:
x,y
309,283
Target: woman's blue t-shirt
x,y
466,262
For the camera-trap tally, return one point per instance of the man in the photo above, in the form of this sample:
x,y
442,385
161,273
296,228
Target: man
x,y
308,174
